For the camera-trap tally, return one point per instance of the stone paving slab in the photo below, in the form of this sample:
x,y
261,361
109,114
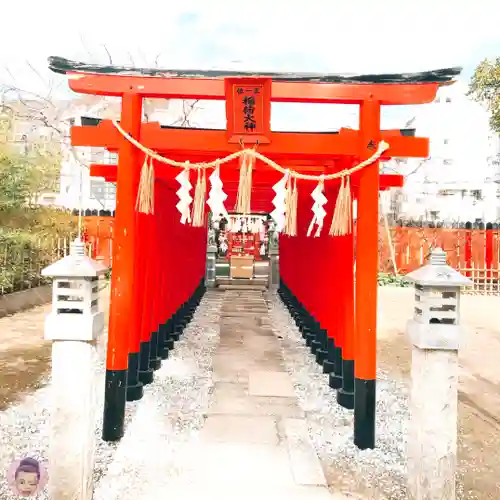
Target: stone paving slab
x,y
270,383
253,492
223,364
232,398
240,429
306,467
242,464
256,405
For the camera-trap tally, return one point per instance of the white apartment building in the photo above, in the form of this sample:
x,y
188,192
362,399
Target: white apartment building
x,y
459,180
77,187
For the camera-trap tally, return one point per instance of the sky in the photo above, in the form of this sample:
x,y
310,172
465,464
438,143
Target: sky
x,y
351,36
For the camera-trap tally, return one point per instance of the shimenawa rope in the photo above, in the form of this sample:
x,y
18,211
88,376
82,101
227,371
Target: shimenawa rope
x,y
341,221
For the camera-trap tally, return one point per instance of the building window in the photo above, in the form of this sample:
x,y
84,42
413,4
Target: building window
x,y
446,141
476,194
448,99
96,155
101,190
446,192
447,162
110,158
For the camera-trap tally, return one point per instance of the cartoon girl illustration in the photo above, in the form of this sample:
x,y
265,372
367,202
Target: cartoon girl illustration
x,y
27,477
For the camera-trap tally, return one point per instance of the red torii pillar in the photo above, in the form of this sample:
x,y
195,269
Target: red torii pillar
x,y
154,285
135,383
365,366
168,249
163,258
122,304
345,338
146,374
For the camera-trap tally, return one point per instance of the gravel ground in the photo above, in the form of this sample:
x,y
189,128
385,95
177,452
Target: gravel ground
x,y
153,452
24,429
331,426
376,474
183,391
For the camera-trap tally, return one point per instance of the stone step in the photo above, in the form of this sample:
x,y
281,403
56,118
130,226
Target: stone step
x,y
242,281
243,287
239,314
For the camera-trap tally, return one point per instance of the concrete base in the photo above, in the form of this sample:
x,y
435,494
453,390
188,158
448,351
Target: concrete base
x,y
73,420
432,439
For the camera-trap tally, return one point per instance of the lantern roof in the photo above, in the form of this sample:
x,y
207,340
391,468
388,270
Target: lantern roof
x,y
75,265
437,273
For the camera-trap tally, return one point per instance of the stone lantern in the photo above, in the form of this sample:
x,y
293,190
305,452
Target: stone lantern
x,y
211,266
436,320
274,270
73,326
212,251
435,333
75,300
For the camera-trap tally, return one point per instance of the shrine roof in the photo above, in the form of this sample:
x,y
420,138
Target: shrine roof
x,y
441,76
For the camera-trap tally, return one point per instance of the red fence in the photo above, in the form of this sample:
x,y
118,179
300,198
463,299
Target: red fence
x,y
98,236
468,250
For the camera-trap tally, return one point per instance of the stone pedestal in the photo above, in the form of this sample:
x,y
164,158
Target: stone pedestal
x,y
211,266
73,326
432,437
274,268
73,420
435,334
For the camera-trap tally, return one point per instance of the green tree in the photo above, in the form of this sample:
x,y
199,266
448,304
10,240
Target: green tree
x,y
485,87
25,175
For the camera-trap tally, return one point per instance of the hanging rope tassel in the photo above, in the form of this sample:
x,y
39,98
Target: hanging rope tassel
x,y
151,179
243,200
291,208
293,211
342,217
198,215
145,192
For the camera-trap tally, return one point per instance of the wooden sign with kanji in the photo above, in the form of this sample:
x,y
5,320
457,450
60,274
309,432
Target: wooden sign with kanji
x,y
248,110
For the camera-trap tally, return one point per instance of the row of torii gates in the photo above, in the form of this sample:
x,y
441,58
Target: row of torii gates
x,y
159,263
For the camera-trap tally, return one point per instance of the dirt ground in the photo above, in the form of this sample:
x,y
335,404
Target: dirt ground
x,y
24,354
479,396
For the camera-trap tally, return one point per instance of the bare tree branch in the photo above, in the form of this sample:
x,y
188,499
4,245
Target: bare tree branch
x,y
37,73
110,59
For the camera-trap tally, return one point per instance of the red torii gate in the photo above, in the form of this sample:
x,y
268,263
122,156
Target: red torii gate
x,y
143,298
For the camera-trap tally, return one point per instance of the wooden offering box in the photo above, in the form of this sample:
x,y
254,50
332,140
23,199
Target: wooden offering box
x,y
242,266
